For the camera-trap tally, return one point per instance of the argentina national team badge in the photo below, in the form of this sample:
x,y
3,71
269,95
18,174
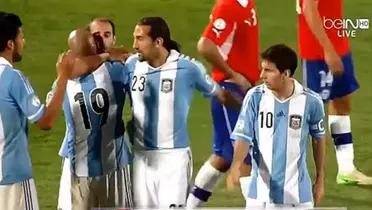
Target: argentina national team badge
x,y
166,85
295,121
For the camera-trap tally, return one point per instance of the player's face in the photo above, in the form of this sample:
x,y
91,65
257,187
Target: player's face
x,y
143,43
105,30
18,45
271,75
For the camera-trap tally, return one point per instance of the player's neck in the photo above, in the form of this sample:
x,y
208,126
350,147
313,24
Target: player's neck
x,y
7,57
286,91
161,59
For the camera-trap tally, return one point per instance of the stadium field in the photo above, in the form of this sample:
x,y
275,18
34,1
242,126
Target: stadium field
x,y
47,24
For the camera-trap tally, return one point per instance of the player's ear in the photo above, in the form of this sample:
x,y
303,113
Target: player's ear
x,y
10,44
287,73
159,41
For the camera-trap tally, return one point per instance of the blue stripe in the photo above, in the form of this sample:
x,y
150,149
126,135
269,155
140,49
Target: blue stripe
x,y
279,152
256,154
118,84
68,148
95,137
342,139
182,99
304,181
151,102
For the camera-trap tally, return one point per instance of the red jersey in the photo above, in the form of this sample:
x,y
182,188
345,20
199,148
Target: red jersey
x,y
233,27
331,14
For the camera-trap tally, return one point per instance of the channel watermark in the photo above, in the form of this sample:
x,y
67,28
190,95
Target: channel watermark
x,y
346,27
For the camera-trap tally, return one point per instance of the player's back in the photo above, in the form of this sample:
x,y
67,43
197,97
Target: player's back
x,y
16,106
331,14
161,101
234,28
93,108
280,171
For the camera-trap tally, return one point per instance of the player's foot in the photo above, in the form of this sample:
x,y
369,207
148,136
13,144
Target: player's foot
x,y
354,178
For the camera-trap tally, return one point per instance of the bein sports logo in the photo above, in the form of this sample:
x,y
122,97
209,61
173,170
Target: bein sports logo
x,y
346,27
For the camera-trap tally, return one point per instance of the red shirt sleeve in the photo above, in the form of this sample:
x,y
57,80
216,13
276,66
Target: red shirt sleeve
x,y
221,23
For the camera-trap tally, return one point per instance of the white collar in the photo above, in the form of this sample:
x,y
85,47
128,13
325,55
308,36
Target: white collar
x,y
173,56
4,61
298,89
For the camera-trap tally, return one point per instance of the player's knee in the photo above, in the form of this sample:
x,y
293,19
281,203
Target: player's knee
x,y
340,106
219,163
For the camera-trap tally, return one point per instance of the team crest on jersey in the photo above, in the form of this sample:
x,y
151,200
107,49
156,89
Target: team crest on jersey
x,y
295,121
166,85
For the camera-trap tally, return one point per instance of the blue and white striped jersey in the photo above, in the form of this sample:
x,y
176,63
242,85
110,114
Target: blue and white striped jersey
x,y
18,102
161,100
278,132
93,105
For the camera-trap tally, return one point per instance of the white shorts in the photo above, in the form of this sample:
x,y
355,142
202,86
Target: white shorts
x,y
20,196
111,190
161,178
256,204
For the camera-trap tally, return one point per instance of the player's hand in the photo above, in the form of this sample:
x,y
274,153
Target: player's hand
x,y
334,62
241,81
230,99
119,53
64,65
233,178
318,192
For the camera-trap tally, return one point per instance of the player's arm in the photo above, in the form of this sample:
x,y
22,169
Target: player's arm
x,y
209,87
319,150
63,65
219,28
243,135
88,64
29,103
314,21
317,132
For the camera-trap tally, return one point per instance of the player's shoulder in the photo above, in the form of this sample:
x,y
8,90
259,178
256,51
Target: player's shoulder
x,y
131,60
191,63
257,90
312,96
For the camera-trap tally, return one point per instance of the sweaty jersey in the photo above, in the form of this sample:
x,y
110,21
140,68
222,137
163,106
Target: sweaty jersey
x,y
161,100
233,27
94,140
331,13
278,132
18,103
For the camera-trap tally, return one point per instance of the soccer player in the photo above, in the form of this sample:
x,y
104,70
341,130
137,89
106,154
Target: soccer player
x,y
18,105
230,44
97,156
274,124
328,70
161,89
105,28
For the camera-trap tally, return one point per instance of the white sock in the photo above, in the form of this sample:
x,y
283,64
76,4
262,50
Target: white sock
x,y
206,179
340,128
245,181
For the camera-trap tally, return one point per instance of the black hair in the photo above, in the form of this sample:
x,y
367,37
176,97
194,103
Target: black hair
x,y
282,56
159,28
9,28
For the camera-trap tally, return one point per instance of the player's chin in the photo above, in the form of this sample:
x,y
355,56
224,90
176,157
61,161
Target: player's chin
x,y
140,57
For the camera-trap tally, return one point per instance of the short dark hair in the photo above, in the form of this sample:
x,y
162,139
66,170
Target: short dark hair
x,y
282,56
105,20
9,28
159,28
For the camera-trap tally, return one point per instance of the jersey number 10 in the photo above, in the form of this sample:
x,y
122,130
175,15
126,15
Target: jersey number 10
x,y
99,101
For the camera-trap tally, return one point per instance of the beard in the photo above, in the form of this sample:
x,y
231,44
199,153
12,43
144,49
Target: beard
x,y
16,57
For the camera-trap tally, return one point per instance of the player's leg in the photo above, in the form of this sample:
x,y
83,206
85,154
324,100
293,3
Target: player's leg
x,y
144,194
116,189
207,178
174,181
82,195
339,110
20,195
64,194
